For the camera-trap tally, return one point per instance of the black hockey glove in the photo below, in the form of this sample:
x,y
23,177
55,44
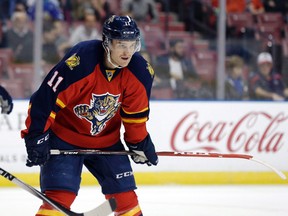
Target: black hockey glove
x,y
38,149
5,101
145,151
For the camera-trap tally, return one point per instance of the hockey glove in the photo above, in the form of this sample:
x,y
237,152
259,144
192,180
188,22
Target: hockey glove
x,y
6,102
38,149
145,152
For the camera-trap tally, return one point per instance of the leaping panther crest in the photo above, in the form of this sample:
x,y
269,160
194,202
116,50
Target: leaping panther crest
x,y
101,109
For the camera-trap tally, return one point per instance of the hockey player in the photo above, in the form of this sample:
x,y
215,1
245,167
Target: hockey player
x,y
82,103
6,102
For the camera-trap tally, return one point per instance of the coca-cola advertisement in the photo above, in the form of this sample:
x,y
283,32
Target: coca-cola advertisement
x,y
253,128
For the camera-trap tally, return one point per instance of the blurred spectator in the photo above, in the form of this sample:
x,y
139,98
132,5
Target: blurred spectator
x,y
140,10
266,84
20,38
198,16
20,5
232,6
176,70
86,31
274,5
240,6
61,38
51,9
102,9
236,87
146,55
78,9
50,53
255,7
6,9
66,6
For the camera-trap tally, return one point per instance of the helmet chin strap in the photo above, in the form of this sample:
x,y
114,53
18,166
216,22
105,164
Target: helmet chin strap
x,y
107,50
109,59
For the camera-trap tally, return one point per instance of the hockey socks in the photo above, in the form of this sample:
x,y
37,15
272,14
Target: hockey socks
x,y
64,198
127,204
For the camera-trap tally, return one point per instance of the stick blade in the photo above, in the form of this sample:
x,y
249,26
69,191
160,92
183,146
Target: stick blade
x,y
106,208
278,172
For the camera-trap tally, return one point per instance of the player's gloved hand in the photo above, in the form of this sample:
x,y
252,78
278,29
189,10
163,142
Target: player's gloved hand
x,y
38,149
6,105
145,152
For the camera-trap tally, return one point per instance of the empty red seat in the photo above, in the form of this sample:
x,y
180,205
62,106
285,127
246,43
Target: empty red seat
x,y
205,63
268,32
270,18
240,21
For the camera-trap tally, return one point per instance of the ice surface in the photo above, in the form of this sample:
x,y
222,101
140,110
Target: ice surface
x,y
196,200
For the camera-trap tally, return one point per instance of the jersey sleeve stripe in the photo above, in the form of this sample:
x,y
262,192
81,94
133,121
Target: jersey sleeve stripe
x,y
127,120
60,103
141,111
53,115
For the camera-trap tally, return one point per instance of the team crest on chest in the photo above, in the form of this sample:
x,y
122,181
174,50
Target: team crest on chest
x,y
101,109
73,61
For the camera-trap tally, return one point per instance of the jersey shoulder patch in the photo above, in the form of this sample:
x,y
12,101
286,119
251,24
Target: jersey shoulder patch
x,y
84,56
141,68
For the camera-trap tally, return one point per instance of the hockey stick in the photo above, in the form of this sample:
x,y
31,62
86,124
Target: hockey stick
x,y
104,209
167,153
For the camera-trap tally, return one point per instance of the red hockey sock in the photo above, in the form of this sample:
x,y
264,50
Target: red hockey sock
x,y
65,198
127,204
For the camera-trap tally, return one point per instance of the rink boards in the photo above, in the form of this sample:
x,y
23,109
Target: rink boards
x,y
254,128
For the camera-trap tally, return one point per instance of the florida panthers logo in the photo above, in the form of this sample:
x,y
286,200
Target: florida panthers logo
x,y
101,109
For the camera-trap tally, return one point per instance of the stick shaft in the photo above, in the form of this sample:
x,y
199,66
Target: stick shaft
x,y
167,153
104,209
160,153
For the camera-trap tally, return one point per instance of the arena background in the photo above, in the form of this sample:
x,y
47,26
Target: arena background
x,y
193,122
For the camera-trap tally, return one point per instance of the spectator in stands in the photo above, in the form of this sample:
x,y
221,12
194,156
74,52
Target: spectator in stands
x,y
62,37
51,9
78,9
20,5
240,6
86,31
198,16
141,11
272,6
101,9
276,6
66,7
255,7
20,38
50,53
236,87
6,10
175,69
266,84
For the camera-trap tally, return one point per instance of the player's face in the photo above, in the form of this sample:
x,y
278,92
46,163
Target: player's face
x,y
122,52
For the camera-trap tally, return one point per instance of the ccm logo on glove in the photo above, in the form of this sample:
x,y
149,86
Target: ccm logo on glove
x,y
43,139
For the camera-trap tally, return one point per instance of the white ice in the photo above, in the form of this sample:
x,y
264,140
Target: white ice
x,y
196,200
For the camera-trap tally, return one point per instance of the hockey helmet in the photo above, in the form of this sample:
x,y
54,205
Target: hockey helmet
x,y
121,28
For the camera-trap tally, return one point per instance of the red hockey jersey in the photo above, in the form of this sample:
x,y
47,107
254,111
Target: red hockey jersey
x,y
84,104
